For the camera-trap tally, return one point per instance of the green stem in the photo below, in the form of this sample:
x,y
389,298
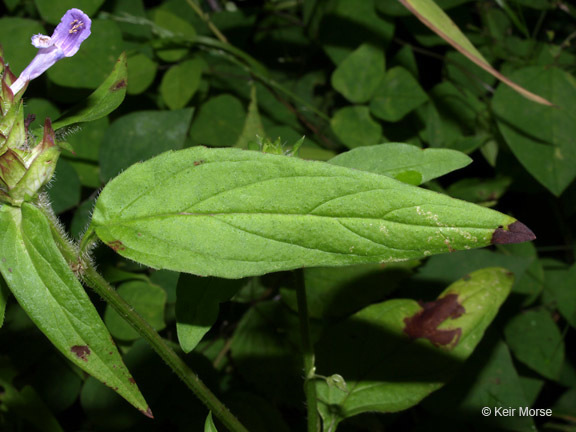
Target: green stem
x,y
206,18
258,71
308,354
95,281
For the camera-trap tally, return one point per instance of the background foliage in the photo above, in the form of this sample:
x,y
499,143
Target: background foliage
x,y
345,74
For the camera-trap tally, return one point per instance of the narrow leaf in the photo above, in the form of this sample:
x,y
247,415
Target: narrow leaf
x,y
436,20
42,282
103,101
209,425
234,213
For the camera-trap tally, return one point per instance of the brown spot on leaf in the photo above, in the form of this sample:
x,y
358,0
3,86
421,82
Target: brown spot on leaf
x,y
118,85
81,351
198,162
116,245
424,324
132,380
517,233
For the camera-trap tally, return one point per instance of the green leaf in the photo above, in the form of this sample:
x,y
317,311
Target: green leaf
x,y
262,346
560,284
489,379
397,95
46,288
542,138
29,407
452,119
140,135
219,122
141,73
64,191
245,213
180,83
103,101
86,141
181,30
354,126
197,306
92,63
436,20
395,159
15,35
399,371
4,294
537,342
358,76
147,299
209,426
41,109
347,24
480,190
53,10
333,292
253,124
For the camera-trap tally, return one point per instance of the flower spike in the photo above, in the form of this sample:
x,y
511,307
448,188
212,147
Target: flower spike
x,y
73,29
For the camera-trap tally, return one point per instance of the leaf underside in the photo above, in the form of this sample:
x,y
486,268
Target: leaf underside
x,y
234,213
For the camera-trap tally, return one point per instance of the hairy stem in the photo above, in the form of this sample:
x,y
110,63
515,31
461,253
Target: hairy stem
x,y
308,354
95,281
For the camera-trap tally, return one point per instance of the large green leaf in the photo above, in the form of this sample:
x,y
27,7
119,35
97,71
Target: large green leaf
x,y
103,101
419,346
44,285
234,213
398,160
542,138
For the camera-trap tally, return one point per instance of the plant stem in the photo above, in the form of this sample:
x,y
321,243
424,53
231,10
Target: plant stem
x,y
308,354
93,279
206,18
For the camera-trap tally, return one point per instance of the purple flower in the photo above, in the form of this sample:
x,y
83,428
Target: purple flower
x,y
73,29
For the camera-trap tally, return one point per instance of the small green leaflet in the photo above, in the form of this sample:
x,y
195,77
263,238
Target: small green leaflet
x,y
45,287
234,213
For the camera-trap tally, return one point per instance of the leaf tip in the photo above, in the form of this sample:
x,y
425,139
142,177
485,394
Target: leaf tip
x,y
148,413
517,233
